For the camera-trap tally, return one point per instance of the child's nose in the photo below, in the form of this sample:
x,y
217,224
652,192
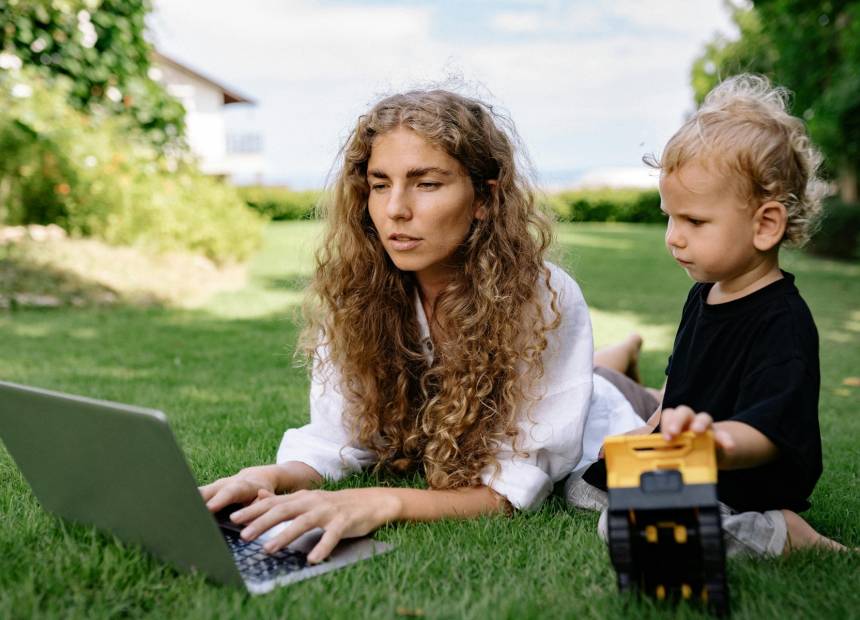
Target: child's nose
x,y
674,239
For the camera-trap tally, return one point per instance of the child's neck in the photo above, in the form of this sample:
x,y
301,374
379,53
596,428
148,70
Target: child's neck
x,y
765,273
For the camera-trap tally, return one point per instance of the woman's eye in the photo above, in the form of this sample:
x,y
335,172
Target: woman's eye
x,y
377,187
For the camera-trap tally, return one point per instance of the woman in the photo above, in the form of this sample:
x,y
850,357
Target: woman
x,y
441,341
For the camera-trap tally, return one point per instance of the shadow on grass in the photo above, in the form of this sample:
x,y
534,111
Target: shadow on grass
x,y
24,284
296,282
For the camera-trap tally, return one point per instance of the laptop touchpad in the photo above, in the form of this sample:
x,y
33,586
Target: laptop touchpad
x,y
303,543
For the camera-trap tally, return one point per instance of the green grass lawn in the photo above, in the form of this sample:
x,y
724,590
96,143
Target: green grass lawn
x,y
224,375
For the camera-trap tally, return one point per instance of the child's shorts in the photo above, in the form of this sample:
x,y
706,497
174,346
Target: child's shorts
x,y
744,533
752,533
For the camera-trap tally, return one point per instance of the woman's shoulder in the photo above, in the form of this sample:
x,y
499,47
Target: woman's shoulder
x,y
565,286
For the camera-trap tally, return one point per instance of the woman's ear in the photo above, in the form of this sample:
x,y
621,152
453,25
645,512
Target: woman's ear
x,y
769,224
481,210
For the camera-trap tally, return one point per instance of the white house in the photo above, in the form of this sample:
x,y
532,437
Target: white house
x,y
228,155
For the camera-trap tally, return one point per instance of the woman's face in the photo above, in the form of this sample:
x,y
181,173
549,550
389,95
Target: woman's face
x,y
422,203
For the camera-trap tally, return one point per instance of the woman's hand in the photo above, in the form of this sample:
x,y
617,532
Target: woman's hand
x,y
240,488
342,514
245,486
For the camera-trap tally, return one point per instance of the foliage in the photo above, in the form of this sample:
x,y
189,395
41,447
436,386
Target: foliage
x,y
91,176
607,205
811,48
585,205
751,52
100,46
281,203
838,234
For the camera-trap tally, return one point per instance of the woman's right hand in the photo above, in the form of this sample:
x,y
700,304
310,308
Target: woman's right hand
x,y
240,488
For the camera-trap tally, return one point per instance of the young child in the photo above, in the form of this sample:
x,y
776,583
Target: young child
x,y
738,180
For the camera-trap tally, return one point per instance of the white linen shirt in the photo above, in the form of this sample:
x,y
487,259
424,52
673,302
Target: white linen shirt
x,y
559,432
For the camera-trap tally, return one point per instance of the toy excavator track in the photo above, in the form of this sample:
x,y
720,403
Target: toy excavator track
x,y
665,534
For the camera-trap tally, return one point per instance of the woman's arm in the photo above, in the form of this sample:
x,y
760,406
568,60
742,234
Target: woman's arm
x,y
432,505
357,512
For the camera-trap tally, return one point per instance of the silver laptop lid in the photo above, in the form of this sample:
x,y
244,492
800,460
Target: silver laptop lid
x,y
116,467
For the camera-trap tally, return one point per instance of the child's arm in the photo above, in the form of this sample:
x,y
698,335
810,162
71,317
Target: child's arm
x,y
739,445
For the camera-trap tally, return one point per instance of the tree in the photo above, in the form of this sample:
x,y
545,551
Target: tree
x,y
811,48
100,46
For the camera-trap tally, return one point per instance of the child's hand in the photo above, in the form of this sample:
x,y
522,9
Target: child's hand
x,y
675,421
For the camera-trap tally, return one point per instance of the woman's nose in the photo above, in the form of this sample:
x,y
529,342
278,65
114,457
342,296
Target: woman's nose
x,y
398,206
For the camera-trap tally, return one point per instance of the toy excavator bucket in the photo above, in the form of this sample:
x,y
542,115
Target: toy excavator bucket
x,y
629,456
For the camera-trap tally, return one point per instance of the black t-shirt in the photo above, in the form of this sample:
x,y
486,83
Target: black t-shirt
x,y
754,360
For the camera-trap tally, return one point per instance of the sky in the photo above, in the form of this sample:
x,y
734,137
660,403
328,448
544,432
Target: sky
x,y
591,86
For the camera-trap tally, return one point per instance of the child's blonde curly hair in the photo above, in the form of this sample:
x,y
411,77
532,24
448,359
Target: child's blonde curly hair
x,y
743,128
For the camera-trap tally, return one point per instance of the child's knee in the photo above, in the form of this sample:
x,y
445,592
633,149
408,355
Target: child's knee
x,y
754,533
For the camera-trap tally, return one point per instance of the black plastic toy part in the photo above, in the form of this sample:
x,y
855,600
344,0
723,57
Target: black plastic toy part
x,y
665,534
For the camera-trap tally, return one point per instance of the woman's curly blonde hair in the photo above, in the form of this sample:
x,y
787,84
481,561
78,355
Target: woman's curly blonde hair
x,y
447,418
744,128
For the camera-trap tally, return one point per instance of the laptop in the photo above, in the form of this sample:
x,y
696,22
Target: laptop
x,y
119,468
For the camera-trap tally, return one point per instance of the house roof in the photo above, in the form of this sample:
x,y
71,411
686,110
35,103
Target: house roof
x,y
230,95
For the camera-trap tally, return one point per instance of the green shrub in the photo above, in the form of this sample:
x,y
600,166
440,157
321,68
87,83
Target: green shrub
x,y
100,47
838,235
607,205
281,203
94,176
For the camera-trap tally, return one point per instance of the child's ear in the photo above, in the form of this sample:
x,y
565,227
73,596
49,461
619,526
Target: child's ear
x,y
481,204
769,224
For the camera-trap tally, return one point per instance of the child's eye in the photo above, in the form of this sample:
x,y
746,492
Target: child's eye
x,y
695,222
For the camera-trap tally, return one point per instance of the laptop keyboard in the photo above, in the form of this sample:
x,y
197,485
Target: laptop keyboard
x,y
256,565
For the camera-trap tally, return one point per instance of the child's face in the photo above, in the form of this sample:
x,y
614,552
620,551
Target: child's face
x,y
710,229
422,202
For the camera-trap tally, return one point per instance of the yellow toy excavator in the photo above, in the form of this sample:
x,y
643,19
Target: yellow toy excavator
x,y
665,535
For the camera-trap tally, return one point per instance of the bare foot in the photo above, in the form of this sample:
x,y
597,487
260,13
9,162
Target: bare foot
x,y
801,535
622,356
633,343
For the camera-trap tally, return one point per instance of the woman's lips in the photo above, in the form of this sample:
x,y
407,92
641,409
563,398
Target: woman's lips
x,y
401,243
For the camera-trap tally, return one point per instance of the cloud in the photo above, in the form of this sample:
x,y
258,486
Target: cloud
x,y
295,40
587,83
512,21
677,16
